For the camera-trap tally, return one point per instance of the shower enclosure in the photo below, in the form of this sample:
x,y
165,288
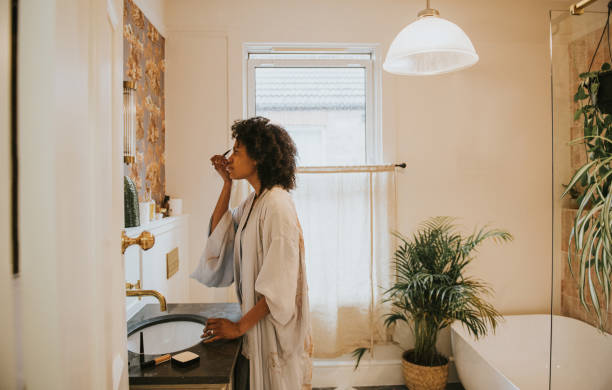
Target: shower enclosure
x,y
580,341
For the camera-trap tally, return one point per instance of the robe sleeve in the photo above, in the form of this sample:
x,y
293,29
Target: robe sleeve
x,y
216,266
278,277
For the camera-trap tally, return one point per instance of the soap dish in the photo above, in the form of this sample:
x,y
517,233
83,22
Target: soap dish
x,y
185,358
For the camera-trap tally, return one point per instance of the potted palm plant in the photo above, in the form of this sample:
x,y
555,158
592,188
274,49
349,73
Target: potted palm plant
x,y
431,291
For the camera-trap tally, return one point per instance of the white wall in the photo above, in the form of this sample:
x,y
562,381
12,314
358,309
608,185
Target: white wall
x,y
196,122
478,146
477,142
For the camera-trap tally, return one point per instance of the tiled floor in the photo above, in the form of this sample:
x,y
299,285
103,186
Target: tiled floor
x,y
450,386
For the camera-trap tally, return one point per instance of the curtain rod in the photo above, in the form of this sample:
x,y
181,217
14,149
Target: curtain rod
x,y
578,8
351,168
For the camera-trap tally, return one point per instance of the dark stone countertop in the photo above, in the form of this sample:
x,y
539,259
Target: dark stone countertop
x,y
217,359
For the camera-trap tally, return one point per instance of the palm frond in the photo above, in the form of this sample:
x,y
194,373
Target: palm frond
x,y
392,318
358,354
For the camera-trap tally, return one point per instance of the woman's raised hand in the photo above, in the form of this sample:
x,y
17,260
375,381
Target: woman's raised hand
x,y
220,164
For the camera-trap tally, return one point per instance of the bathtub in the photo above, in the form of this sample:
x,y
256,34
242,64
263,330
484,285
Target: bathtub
x,y
517,355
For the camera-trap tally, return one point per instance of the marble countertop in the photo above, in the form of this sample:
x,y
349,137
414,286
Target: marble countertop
x,y
217,359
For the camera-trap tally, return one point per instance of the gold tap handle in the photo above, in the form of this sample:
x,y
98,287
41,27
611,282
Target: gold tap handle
x,y
146,240
130,286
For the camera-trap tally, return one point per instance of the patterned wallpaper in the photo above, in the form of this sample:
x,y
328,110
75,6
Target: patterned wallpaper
x,y
144,62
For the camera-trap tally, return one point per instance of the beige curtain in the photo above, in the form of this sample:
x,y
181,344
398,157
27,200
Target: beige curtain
x,y
347,217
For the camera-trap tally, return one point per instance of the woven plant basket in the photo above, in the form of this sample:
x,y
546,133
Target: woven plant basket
x,y
424,377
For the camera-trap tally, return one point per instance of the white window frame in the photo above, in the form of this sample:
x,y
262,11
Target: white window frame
x,y
373,131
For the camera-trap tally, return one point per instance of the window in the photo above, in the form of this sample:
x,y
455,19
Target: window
x,y
326,100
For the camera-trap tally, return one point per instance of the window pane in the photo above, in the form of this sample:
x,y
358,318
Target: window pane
x,y
322,108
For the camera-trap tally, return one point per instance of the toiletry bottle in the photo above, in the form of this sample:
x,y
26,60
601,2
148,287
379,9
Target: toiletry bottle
x,y
165,206
151,204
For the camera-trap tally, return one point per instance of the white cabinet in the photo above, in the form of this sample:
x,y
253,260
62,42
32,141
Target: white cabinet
x,y
150,266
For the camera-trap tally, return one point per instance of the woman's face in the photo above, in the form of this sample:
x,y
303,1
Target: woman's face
x,y
240,165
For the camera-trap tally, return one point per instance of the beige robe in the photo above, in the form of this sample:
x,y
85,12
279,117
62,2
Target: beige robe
x,y
265,257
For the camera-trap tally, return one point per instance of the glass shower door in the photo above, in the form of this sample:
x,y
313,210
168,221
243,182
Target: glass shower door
x,y
581,344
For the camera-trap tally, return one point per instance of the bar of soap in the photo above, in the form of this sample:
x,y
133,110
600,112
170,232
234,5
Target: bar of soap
x,y
185,358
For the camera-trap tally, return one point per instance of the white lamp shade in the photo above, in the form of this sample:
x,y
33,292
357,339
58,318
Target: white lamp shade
x,y
430,45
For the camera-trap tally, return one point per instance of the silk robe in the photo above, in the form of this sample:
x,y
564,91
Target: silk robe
x,y
264,256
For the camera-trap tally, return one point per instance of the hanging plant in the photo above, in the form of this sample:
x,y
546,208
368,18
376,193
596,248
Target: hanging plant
x,y
603,95
591,185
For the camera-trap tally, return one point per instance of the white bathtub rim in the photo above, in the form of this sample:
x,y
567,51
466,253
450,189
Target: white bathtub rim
x,y
457,324
477,352
549,319
470,339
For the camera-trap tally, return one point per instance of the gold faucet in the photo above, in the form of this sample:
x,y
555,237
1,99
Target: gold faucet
x,y
152,293
146,241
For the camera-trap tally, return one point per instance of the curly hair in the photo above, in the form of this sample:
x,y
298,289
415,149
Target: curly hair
x,y
272,149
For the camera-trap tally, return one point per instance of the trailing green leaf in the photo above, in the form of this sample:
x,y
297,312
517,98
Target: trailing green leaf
x,y
580,94
587,75
577,114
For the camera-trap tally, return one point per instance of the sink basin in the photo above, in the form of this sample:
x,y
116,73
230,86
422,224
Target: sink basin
x,y
166,334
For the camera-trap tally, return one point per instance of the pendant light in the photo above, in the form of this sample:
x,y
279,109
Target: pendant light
x,y
428,46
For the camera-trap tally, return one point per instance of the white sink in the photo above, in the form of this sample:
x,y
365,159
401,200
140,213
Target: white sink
x,y
166,337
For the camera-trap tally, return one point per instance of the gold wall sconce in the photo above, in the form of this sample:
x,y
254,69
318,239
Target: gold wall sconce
x,y
129,119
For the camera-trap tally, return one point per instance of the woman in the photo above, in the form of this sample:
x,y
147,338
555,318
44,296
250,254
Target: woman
x,y
259,246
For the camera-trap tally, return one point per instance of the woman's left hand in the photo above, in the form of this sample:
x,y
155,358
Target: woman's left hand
x,y
221,328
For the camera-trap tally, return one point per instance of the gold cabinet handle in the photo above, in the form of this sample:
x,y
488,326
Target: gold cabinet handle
x,y
146,240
